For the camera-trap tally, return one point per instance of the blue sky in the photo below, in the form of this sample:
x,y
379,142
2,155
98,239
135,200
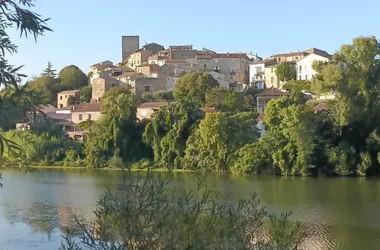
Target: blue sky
x,y
89,31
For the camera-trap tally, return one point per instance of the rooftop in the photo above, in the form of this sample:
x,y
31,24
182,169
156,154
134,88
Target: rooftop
x,y
208,109
69,91
260,117
175,61
101,63
222,55
272,92
321,106
153,104
87,107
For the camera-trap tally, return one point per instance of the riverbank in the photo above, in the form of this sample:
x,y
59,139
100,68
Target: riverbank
x,y
113,169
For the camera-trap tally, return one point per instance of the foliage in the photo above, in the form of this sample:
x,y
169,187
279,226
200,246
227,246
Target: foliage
x,y
168,132
116,137
146,215
71,100
40,149
297,85
191,88
49,71
85,94
213,145
286,71
47,86
227,100
71,77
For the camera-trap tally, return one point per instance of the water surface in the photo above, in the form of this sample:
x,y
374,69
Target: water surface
x,y
342,213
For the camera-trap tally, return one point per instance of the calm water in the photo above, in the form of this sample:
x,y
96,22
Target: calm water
x,y
341,213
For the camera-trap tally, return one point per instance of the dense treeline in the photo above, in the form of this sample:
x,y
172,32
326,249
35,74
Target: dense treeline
x,y
342,139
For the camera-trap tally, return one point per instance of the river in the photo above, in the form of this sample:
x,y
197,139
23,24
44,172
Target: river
x,y
342,213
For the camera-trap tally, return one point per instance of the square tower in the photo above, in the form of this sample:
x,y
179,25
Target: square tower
x,y
129,45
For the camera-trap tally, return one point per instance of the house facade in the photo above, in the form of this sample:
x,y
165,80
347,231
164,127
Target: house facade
x,y
305,69
138,57
149,70
265,96
148,85
63,96
234,67
182,52
156,59
257,73
146,110
100,86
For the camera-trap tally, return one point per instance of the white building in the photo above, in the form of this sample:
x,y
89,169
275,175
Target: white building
x,y
220,78
257,72
305,69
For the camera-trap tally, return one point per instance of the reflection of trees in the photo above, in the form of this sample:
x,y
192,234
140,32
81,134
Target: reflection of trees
x,y
41,217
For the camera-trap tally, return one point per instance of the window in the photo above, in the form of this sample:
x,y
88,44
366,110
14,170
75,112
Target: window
x,y
143,113
65,96
147,88
89,116
271,80
61,105
305,77
60,97
80,117
204,65
300,69
271,70
300,78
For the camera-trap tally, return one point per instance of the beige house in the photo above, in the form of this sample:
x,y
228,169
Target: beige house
x,y
78,114
182,52
235,67
156,59
150,70
63,96
257,73
149,85
138,57
100,86
129,78
146,110
265,96
271,80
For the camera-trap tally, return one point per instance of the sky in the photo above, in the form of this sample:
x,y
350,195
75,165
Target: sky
x,y
86,32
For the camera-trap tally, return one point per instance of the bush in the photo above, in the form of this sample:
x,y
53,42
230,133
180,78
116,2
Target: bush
x,y
144,215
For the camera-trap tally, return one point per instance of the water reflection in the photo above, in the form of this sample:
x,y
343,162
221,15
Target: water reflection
x,y
339,213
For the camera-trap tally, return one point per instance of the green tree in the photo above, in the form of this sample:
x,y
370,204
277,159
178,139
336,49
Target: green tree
x,y
15,14
163,96
47,86
227,100
286,71
192,87
86,94
71,100
144,214
297,85
213,145
71,77
49,71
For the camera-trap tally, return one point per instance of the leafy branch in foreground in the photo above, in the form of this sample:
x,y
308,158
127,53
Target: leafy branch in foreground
x,y
147,213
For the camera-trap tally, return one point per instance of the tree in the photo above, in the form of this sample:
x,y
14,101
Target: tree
x,y
49,71
46,86
71,100
297,85
286,71
115,91
226,100
144,214
192,87
86,94
15,14
212,146
71,77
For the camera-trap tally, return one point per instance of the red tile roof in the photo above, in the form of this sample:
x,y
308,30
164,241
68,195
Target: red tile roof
x,y
153,104
260,117
69,91
272,92
321,106
222,55
208,109
175,61
87,107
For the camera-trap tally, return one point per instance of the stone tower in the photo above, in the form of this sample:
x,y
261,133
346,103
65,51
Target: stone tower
x,y
129,44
